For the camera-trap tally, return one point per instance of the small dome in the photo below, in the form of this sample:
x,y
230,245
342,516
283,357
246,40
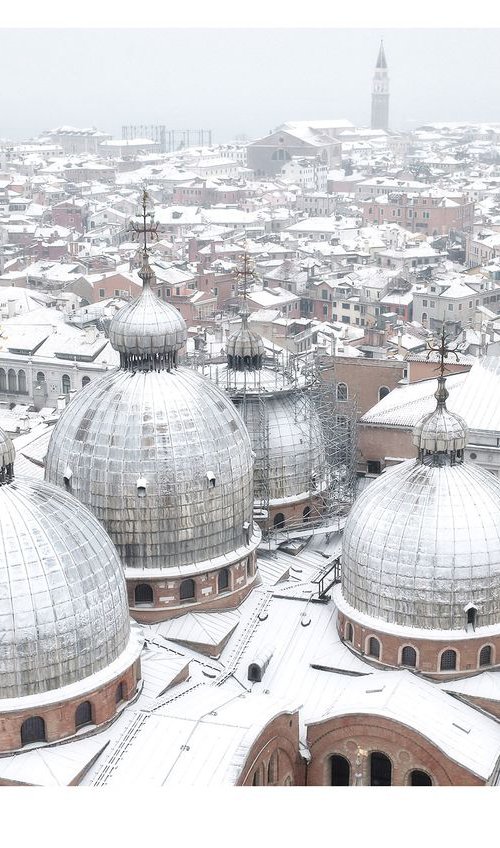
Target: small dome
x,y
147,332
63,601
442,431
245,349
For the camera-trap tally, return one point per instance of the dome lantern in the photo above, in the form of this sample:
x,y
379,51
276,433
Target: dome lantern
x,y
441,436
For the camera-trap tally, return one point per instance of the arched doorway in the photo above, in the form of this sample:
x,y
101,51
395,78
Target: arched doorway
x,y
32,730
340,771
83,714
279,521
143,594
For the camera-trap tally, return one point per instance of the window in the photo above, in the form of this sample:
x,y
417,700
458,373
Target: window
x,y
85,381
340,771
433,303
472,615
419,778
450,306
223,580
279,521
382,392
22,382
485,655
257,777
40,377
143,594
120,693
272,769
12,380
102,293
374,648
83,714
325,311
187,590
448,660
409,656
349,632
3,380
66,384
373,467
306,514
342,391
33,730
380,769
424,303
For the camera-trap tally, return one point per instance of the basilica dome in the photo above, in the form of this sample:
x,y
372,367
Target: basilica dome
x,y
63,602
157,452
421,545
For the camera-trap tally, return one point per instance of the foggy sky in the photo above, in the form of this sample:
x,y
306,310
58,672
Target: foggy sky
x,y
241,81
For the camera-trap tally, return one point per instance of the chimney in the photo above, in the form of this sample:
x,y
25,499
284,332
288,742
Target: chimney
x,y
61,403
11,306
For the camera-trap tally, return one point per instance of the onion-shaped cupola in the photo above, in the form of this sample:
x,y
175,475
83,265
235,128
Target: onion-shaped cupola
x,y
441,436
147,333
245,348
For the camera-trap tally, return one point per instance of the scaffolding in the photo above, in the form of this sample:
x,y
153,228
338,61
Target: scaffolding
x,y
294,386
169,140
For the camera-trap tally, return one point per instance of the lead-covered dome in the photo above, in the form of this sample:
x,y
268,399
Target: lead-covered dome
x,y
422,542
163,459
245,349
63,603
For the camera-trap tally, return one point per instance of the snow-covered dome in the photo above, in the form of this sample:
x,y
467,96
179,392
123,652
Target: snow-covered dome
x,y
63,601
162,458
422,542
147,332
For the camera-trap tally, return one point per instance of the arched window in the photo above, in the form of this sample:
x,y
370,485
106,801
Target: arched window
x,y
254,673
448,660
272,769
374,648
279,521
223,580
40,378
21,377
424,316
382,392
83,714
120,693
340,771
66,384
349,632
342,391
472,615
419,778
187,590
306,514
288,781
143,594
409,656
12,379
380,769
485,655
85,381
3,380
257,777
33,730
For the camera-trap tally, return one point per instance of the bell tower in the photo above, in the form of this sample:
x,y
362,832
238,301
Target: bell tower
x,y
380,93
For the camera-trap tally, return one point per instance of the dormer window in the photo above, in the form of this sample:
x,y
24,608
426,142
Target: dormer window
x,y
142,487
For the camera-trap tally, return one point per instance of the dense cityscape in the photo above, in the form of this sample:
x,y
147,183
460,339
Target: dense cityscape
x,y
250,455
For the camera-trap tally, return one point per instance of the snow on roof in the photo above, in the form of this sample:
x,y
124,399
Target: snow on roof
x,y
465,735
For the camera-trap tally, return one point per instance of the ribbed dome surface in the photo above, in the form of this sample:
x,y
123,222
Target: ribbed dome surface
x,y
422,542
442,430
147,327
164,461
63,602
295,449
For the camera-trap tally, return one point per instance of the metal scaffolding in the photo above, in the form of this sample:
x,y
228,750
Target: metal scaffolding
x,y
299,430
169,140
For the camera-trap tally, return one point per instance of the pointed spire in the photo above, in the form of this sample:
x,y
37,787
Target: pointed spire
x,y
381,61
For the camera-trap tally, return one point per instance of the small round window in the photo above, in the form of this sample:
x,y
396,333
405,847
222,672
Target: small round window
x,y
473,456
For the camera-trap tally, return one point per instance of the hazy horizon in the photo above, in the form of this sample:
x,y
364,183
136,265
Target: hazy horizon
x,y
241,81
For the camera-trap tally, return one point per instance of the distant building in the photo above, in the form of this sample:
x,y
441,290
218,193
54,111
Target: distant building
x,y
380,93
268,155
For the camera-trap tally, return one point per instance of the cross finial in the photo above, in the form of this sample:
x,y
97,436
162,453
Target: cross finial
x,y
145,230
443,349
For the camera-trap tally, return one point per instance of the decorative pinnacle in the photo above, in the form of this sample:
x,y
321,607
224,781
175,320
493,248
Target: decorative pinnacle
x,y
147,229
443,349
